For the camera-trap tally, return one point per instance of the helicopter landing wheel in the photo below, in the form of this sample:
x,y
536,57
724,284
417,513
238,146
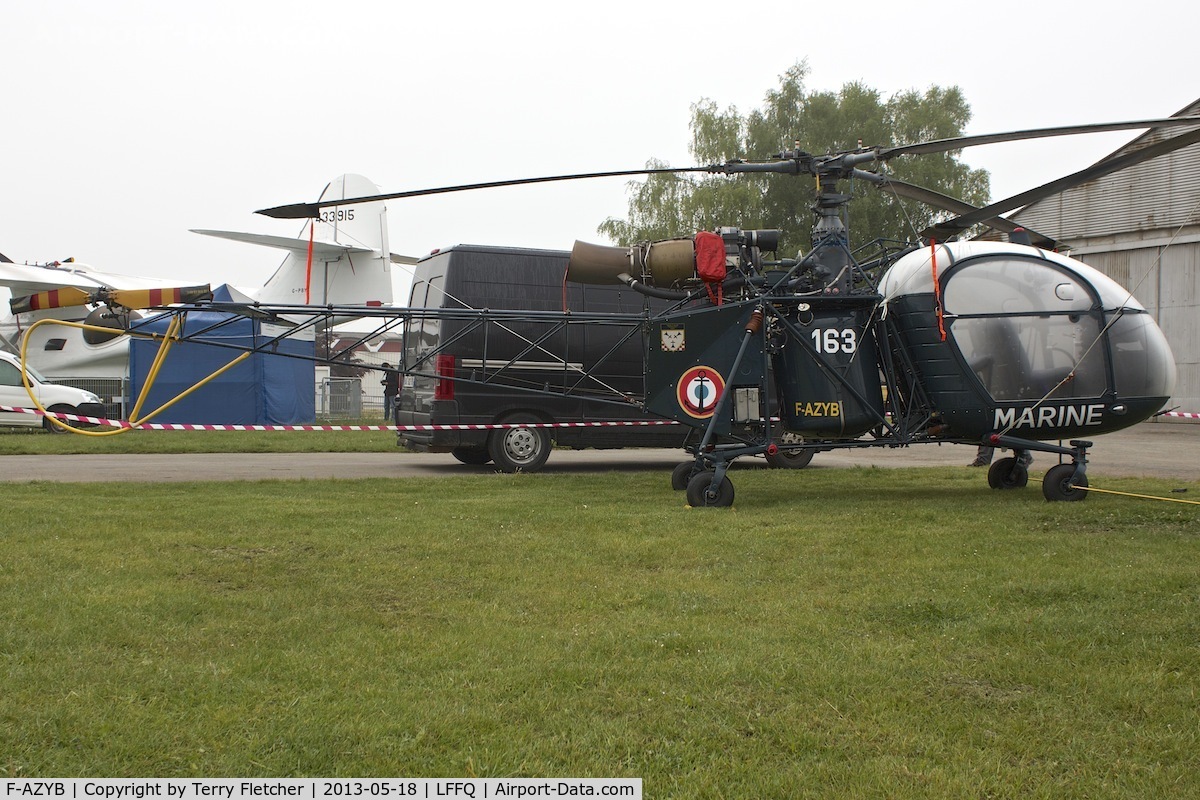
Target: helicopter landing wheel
x,y
1008,473
681,475
1058,484
701,493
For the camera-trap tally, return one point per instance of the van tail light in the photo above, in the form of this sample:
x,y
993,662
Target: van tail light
x,y
445,386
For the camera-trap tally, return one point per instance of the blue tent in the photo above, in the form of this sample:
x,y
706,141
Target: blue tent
x,y
265,389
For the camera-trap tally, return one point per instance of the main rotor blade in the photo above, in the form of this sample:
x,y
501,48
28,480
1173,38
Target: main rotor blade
x,y
958,142
951,227
312,210
912,191
307,210
52,298
945,202
126,298
154,298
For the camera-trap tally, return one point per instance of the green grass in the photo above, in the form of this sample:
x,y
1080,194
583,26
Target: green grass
x,y
857,632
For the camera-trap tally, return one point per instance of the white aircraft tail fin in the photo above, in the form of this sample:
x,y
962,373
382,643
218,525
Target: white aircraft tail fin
x,y
341,258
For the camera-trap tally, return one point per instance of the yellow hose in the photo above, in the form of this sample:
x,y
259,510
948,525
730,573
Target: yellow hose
x,y
168,338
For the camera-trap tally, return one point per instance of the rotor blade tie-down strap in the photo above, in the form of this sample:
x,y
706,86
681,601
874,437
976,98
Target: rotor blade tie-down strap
x,y
937,291
710,263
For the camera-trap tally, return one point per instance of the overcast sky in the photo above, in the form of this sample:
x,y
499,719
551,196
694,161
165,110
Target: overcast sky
x,y
127,123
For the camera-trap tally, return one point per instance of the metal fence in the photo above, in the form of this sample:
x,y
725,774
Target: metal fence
x,y
337,398
113,392
340,398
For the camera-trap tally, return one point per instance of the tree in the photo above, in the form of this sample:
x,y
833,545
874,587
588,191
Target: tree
x,y
666,206
341,364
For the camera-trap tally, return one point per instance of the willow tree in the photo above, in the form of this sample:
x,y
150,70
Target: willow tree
x,y
670,205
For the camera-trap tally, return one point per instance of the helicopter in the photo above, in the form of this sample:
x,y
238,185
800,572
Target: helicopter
x,y
1001,344
936,341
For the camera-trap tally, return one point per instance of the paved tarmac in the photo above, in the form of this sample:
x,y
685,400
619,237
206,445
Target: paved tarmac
x,y
1158,449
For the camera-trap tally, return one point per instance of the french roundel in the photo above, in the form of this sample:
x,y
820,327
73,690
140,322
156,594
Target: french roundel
x,y
698,391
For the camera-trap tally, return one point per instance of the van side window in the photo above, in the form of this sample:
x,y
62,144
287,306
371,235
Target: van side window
x,y
9,375
412,326
421,334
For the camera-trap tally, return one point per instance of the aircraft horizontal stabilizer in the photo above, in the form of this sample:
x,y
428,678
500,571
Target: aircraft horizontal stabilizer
x,y
323,250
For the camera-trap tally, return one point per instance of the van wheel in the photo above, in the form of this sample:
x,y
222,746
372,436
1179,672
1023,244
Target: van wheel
x,y
521,448
790,459
475,456
49,425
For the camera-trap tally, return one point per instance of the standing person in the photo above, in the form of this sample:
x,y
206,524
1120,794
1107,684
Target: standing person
x,y
983,457
391,389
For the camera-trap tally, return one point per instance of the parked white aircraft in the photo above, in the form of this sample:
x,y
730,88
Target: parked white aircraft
x,y
341,258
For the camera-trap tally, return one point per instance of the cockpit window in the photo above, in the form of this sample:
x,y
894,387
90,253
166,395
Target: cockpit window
x,y
1142,359
1026,329
1014,286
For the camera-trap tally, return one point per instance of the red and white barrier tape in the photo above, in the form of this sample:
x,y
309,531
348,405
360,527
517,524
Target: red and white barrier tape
x,y
180,426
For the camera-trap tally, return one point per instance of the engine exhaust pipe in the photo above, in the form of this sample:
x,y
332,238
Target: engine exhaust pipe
x,y
663,263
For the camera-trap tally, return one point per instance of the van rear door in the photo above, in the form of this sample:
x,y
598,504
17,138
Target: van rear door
x,y
422,337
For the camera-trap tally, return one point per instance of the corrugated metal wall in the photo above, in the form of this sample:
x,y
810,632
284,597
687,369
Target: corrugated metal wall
x,y
1180,318
1159,194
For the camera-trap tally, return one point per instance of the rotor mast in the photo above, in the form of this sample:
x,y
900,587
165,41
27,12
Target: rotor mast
x,y
832,265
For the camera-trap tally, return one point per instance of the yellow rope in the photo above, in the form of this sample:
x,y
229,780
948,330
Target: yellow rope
x,y
1131,494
